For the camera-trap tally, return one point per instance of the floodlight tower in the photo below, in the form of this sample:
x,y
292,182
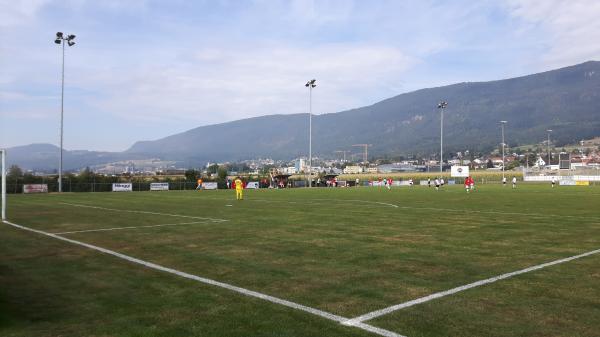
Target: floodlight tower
x,y
62,39
310,85
441,106
502,123
548,146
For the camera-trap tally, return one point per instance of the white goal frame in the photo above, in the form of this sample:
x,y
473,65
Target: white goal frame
x,y
3,168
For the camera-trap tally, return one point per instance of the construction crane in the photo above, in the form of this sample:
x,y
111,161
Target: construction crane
x,y
344,152
366,147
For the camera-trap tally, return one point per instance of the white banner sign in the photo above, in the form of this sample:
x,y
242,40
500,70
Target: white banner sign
x,y
252,184
159,186
122,187
209,186
567,182
459,171
35,188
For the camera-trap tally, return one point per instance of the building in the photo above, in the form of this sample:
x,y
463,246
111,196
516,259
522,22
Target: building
x,y
300,165
353,170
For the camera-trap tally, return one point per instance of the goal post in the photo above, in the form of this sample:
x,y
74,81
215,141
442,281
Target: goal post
x,y
3,155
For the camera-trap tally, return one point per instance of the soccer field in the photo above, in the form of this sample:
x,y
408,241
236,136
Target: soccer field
x,y
304,262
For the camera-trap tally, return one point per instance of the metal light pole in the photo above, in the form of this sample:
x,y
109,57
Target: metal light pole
x,y
310,85
3,206
503,144
548,145
61,39
442,105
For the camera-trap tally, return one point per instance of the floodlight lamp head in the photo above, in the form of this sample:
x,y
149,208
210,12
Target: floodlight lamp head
x,y
59,35
71,43
71,37
57,41
442,105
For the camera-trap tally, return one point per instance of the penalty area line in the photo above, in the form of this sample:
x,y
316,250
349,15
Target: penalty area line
x,y
136,227
385,311
243,291
142,212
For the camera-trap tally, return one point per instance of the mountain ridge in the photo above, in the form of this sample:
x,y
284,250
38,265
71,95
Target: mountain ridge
x,y
409,123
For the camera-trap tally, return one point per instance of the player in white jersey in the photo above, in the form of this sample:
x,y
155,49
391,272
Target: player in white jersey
x,y
514,182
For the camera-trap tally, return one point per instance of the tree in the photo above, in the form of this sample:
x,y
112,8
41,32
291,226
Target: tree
x,y
191,175
14,172
222,173
212,169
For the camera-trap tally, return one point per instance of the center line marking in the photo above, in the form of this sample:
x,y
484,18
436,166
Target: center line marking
x,y
385,311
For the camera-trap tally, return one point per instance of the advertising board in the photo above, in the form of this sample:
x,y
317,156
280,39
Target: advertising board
x,y
159,186
209,186
459,171
122,187
35,188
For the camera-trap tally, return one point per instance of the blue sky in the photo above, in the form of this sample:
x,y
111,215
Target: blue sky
x,y
143,70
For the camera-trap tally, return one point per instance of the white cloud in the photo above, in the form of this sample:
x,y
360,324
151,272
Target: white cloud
x,y
19,12
216,85
571,28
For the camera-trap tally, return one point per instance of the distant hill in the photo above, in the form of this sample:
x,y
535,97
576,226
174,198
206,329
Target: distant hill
x,y
565,100
45,157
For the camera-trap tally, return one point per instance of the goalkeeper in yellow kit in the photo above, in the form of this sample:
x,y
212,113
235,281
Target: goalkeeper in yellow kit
x,y
239,188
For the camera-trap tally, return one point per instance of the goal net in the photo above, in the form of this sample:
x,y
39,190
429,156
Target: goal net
x,y
3,182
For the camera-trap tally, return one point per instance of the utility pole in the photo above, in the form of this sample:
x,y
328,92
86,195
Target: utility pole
x,y
441,106
62,39
310,85
502,123
548,145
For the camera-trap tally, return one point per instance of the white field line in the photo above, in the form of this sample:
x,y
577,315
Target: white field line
x,y
582,217
385,311
142,212
135,227
500,212
243,291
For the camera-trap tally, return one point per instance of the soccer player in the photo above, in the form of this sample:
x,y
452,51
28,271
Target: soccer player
x,y
472,183
239,188
428,182
468,184
514,182
357,182
503,181
553,181
437,184
199,187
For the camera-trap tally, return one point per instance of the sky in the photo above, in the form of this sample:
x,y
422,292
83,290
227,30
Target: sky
x,y
143,70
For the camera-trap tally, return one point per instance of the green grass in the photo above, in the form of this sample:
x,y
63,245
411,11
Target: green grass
x,y
345,251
